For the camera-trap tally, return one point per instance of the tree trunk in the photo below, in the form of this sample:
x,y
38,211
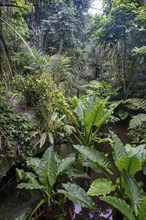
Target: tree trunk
x,y
124,63
60,47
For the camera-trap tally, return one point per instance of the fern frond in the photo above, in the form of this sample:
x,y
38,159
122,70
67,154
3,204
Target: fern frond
x,y
137,121
136,104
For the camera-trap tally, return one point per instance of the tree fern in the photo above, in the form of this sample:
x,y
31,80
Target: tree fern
x,y
137,121
136,104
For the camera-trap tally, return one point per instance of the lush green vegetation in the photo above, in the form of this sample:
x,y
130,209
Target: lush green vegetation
x,y
68,79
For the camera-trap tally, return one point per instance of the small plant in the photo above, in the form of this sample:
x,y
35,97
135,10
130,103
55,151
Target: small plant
x,y
15,131
87,116
46,176
42,95
127,195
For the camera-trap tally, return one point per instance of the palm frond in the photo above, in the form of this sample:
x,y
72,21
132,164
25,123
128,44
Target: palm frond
x,y
16,32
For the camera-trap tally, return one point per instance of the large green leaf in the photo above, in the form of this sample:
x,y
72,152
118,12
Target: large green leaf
x,y
118,147
133,190
101,187
33,163
120,205
142,210
79,110
66,163
77,195
131,164
94,155
22,175
96,117
77,174
32,184
91,164
43,139
139,151
48,168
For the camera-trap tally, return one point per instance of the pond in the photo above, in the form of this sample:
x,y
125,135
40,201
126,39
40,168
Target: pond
x,y
14,202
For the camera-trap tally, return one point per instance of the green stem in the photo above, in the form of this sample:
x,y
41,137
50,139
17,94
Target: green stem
x,y
82,139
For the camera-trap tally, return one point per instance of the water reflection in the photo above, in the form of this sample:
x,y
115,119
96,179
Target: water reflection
x,y
78,213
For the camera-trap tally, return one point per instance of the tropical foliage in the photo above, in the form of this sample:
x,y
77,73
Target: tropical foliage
x,y
47,175
72,91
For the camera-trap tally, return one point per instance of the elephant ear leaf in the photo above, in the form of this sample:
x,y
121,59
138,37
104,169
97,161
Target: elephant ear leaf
x,y
31,185
131,164
48,169
33,163
94,155
66,163
118,147
120,205
101,187
133,191
77,195
142,210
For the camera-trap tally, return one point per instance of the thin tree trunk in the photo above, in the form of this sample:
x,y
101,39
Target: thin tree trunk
x,y
124,63
60,47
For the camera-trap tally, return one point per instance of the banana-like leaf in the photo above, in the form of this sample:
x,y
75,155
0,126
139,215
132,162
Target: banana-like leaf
x,y
48,168
120,205
133,191
94,155
101,187
66,163
118,147
77,195
96,117
142,210
131,164
79,110
43,139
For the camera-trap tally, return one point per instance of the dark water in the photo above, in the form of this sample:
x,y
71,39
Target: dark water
x,y
75,212
14,202
79,213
